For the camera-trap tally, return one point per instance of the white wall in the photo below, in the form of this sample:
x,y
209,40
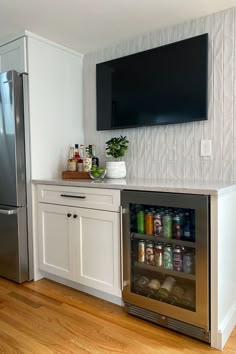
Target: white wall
x,y
174,151
55,89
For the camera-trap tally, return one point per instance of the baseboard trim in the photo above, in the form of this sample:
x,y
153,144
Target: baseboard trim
x,y
224,334
85,289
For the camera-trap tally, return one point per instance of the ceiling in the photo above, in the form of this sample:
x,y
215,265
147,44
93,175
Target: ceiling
x,y
87,25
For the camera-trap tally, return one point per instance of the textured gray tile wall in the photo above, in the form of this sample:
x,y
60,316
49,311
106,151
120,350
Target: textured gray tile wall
x,y
173,151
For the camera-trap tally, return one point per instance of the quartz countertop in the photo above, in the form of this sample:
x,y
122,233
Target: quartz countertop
x,y
145,184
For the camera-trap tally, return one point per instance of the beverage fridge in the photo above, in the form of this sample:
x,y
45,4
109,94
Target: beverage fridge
x,y
165,264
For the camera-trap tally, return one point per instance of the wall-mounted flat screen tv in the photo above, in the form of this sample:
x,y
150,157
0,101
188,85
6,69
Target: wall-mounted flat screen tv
x,y
164,85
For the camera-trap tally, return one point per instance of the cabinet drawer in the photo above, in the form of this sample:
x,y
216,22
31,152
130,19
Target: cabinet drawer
x,y
94,198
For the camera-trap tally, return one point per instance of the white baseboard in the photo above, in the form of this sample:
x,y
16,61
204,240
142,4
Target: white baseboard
x,y
224,334
111,298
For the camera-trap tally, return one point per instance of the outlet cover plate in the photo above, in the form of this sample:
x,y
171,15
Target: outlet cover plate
x,y
206,148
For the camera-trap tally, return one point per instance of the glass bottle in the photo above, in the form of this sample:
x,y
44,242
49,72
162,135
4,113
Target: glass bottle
x,y
80,163
87,160
76,153
95,160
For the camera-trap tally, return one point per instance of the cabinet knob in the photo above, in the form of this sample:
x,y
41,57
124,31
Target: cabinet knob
x,y
69,215
75,216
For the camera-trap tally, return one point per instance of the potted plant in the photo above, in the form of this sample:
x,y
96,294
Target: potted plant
x,y
116,147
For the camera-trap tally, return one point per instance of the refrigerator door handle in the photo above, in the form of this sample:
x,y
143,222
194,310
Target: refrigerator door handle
x,y
8,212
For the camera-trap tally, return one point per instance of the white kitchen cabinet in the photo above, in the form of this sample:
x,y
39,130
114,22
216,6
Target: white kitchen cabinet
x,y
13,56
80,243
56,248
97,247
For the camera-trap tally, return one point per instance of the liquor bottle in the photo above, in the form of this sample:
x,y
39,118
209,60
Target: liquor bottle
x,y
87,160
71,153
80,163
71,163
76,153
95,160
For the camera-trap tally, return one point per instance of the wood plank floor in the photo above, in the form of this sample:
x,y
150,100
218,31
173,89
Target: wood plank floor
x,y
46,317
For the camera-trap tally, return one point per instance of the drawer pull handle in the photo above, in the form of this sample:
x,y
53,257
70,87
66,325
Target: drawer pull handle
x,y
73,196
69,215
75,216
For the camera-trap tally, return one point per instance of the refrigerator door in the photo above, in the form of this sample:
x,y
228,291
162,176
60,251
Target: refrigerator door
x,y
13,241
12,146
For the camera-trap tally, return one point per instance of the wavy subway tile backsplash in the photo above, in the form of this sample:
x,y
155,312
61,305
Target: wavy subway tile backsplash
x,y
173,151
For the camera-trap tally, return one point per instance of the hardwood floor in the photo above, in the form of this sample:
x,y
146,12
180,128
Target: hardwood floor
x,y
46,317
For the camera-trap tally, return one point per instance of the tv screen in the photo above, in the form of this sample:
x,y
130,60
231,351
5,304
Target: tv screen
x,y
164,85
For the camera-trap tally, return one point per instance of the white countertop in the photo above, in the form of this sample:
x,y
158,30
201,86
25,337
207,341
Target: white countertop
x,y
154,185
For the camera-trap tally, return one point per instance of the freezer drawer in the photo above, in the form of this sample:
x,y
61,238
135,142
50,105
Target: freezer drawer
x,y
14,244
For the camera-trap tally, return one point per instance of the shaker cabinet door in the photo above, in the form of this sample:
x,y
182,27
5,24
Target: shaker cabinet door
x,y
97,240
56,251
13,56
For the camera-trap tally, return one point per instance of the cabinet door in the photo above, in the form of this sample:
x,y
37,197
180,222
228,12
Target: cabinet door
x,y
13,56
97,239
56,251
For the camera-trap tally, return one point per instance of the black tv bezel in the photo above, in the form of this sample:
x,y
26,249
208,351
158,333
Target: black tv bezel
x,y
164,121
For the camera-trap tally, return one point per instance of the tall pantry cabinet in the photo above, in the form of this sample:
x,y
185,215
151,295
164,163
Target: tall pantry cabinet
x,y
55,98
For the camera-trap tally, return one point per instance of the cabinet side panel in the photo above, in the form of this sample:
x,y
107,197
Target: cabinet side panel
x,y
55,97
226,260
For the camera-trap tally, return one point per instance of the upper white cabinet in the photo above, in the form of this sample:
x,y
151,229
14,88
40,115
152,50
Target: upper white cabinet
x,y
13,56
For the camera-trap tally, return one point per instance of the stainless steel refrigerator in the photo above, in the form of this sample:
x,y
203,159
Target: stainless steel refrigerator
x,y
14,255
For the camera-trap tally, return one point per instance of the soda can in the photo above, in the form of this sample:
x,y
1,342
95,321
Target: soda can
x,y
141,251
178,259
149,223
159,255
188,263
157,225
140,222
168,257
167,226
176,226
150,254
176,295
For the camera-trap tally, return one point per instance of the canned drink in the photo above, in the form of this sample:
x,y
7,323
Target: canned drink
x,y
166,287
157,225
188,298
159,255
188,263
149,223
150,254
167,226
178,259
140,222
167,257
177,229
176,294
141,251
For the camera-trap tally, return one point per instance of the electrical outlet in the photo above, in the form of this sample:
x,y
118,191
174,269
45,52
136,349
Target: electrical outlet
x,y
205,148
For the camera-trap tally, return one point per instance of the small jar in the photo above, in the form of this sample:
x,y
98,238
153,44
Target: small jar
x,y
71,165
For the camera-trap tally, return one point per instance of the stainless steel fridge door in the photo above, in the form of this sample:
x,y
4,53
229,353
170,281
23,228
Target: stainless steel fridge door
x,y
13,244
12,143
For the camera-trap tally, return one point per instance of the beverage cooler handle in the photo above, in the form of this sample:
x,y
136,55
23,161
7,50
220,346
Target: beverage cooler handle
x,y
121,250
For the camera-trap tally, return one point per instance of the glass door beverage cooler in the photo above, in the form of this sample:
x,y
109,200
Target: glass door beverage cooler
x,y
165,262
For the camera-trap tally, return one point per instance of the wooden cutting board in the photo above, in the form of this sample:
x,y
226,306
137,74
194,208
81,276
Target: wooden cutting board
x,y
75,175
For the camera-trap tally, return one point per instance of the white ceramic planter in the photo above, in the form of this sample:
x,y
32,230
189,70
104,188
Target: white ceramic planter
x,y
115,169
